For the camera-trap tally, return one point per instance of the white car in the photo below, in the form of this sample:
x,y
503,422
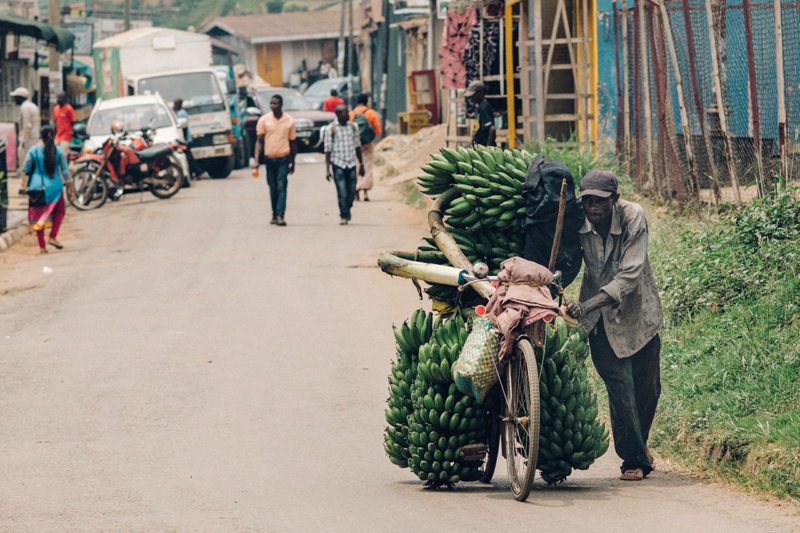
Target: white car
x,y
136,112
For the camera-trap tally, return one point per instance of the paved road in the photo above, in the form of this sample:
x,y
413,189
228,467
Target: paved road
x,y
187,366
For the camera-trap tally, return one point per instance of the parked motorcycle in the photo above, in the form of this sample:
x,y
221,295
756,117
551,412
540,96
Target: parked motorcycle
x,y
125,162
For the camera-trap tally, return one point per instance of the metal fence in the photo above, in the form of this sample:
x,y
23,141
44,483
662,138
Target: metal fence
x,y
709,95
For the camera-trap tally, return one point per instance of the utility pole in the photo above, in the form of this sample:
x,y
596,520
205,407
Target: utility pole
x,y
385,65
351,47
53,57
127,15
340,55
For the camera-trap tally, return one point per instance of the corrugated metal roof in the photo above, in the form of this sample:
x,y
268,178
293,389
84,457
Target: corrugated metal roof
x,y
131,36
285,27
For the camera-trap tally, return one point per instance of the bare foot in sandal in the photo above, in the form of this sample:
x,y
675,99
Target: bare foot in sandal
x,y
635,474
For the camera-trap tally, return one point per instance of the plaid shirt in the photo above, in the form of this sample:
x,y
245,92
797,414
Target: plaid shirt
x,y
341,142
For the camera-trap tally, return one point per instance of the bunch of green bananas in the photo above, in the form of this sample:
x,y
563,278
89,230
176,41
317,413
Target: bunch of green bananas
x,y
570,434
409,337
489,180
444,421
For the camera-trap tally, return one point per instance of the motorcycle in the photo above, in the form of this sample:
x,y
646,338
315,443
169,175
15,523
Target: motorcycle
x,y
125,162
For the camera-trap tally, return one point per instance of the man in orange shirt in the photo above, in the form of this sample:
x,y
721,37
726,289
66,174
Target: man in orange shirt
x,y
332,102
276,134
64,118
368,136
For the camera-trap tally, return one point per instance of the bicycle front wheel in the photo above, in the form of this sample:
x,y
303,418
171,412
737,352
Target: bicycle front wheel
x,y
521,419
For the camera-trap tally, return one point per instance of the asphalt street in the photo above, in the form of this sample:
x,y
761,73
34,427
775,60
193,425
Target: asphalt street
x,y
186,366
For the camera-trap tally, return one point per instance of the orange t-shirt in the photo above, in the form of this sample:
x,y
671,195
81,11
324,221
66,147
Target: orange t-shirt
x,y
371,115
277,134
64,117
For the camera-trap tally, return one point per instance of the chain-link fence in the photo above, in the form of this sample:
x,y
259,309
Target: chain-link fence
x,y
709,96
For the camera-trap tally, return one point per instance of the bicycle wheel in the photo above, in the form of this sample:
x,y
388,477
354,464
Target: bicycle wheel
x,y
492,439
521,419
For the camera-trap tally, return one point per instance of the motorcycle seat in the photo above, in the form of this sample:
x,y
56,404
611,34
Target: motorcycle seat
x,y
148,154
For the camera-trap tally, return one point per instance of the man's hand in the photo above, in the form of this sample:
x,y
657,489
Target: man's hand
x,y
361,170
574,309
291,167
328,174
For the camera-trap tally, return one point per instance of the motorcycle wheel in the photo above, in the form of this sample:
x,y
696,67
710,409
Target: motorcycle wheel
x,y
91,190
174,182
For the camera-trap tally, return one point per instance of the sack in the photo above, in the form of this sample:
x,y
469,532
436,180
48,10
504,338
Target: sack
x,y
542,192
476,372
36,198
366,133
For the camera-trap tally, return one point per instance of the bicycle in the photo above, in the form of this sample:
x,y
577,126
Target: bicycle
x,y
516,427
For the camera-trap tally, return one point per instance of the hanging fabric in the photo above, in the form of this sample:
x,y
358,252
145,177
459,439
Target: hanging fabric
x,y
451,54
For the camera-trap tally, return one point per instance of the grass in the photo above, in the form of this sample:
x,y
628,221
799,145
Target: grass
x,y
731,345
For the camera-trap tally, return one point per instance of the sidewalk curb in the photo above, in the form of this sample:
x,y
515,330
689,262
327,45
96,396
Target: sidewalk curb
x,y
12,235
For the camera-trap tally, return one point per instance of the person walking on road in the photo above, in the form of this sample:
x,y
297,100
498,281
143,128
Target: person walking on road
x,y
620,308
332,102
486,133
276,134
30,122
181,113
64,118
46,166
369,126
342,151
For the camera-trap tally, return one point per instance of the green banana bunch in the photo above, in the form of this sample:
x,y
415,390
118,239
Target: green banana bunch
x,y
444,420
570,434
414,333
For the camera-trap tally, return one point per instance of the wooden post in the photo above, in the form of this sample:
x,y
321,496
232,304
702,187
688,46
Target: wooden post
x,y
509,71
539,70
755,116
340,45
351,56
386,12
626,104
648,112
781,88
636,101
618,63
687,130
698,103
721,111
662,177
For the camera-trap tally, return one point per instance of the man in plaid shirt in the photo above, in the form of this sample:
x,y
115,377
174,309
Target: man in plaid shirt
x,y
342,150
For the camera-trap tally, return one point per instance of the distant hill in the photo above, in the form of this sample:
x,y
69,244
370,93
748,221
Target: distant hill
x,y
199,12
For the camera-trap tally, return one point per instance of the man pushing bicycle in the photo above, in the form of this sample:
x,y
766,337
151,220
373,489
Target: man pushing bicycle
x,y
620,309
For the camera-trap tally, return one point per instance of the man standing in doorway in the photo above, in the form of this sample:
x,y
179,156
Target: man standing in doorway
x,y
332,102
64,118
276,134
620,308
30,123
486,131
342,150
369,130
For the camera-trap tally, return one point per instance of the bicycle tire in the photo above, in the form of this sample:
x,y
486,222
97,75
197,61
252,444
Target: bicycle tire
x,y
492,441
521,419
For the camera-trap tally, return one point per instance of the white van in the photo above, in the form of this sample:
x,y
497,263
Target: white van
x,y
206,104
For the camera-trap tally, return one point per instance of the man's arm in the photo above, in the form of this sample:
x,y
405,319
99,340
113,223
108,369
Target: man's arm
x,y
326,137
292,154
490,141
360,161
259,148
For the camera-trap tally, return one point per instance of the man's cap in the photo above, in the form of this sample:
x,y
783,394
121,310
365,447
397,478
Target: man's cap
x,y
600,183
474,87
21,92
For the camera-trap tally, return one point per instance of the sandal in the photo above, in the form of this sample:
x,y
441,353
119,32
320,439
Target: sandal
x,y
635,474
55,244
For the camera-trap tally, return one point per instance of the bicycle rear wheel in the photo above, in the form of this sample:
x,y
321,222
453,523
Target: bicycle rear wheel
x,y
521,419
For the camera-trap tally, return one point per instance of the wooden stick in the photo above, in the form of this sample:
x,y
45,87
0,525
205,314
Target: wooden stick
x,y
755,115
721,111
562,207
626,104
648,112
619,139
448,245
687,130
779,78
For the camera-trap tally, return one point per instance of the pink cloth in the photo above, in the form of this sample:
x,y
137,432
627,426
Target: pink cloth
x,y
451,54
522,299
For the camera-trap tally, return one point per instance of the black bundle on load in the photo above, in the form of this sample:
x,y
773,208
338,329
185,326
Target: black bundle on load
x,y
541,192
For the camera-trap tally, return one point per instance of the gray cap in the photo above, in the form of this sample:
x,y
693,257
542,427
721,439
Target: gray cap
x,y
474,87
600,183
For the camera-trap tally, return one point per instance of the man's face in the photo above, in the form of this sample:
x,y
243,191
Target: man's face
x,y
477,97
341,115
598,210
19,100
275,105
